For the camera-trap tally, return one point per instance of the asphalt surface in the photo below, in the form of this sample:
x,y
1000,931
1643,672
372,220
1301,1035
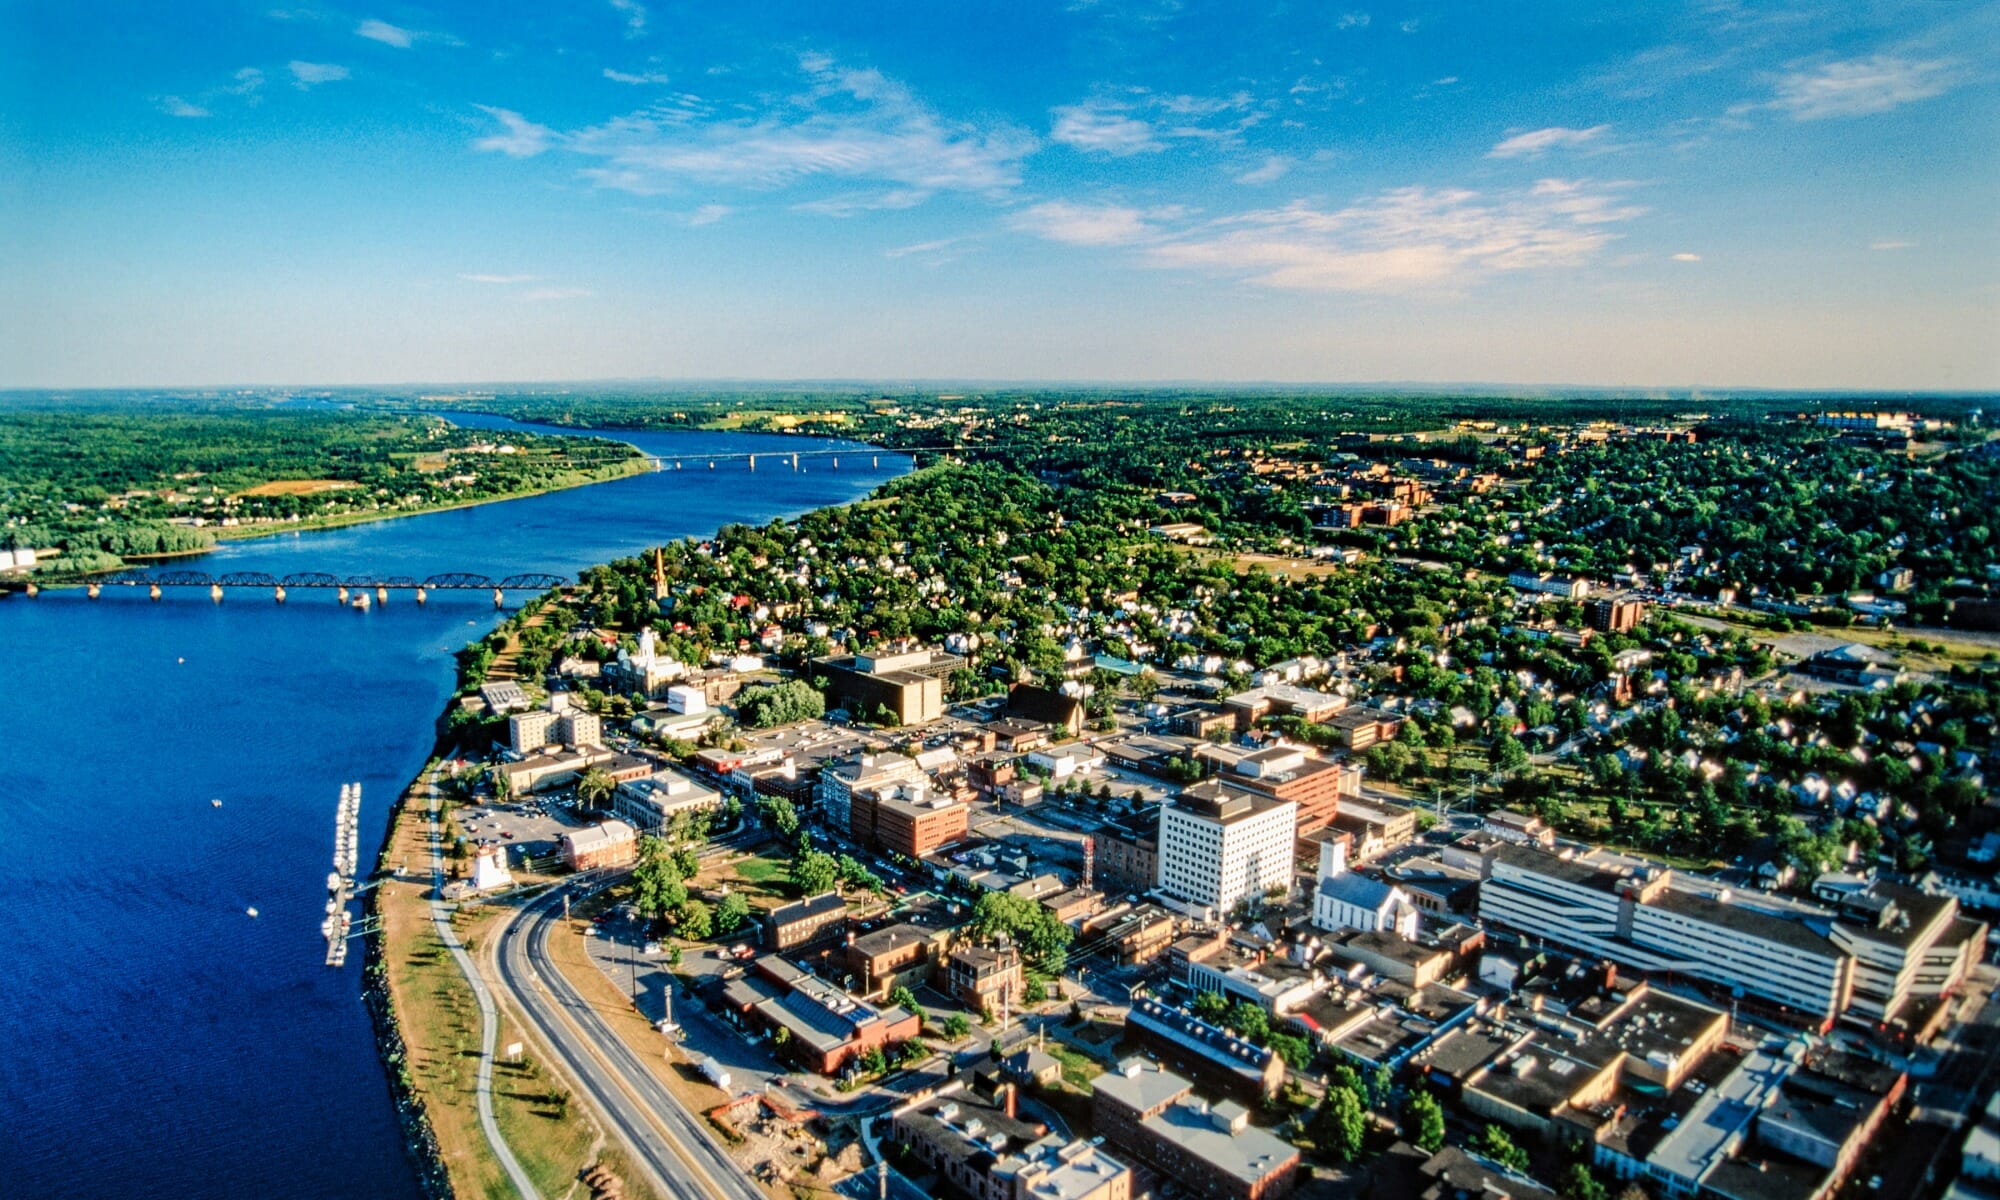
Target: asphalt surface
x,y
489,1025
663,1137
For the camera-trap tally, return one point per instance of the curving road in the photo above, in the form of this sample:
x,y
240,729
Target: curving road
x,y
662,1136
489,1024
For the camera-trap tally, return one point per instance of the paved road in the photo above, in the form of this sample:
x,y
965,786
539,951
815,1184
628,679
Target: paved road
x,y
489,1025
663,1137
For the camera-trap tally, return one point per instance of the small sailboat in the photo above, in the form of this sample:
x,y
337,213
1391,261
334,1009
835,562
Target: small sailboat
x,y
251,911
215,804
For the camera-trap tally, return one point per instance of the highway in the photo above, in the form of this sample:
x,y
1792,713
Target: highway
x,y
662,1136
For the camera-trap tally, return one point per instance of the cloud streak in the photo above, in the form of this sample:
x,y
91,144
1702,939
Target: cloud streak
x,y
308,75
1537,142
851,126
1859,87
1119,125
385,33
1405,239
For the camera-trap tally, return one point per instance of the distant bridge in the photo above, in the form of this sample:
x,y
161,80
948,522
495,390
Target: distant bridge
x,y
358,587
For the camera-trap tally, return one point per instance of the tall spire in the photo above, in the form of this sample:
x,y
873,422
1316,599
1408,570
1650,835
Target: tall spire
x,y
659,575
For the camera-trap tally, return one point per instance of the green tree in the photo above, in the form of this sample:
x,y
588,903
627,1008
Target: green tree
x,y
695,920
1210,1006
1340,1125
905,999
1423,1122
874,1062
731,913
956,1026
764,705
814,872
1497,1144
1579,1184
781,815
657,888
595,787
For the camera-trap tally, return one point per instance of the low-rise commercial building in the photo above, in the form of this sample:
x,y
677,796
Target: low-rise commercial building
x,y
1210,1151
1211,1055
651,804
805,924
610,844
826,1029
986,978
907,682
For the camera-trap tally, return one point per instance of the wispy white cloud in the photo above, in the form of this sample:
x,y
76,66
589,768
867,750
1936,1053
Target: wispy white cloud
x,y
1411,25
385,33
174,106
923,249
499,279
853,204
308,74
1538,142
1076,224
1138,121
708,214
654,77
556,293
1859,87
635,15
246,84
1684,256
1273,168
1351,20
1098,128
851,125
1405,239
518,136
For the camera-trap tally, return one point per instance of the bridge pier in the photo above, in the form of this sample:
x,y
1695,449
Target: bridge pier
x,y
33,591
874,460
153,593
420,594
753,462
215,592
381,595
278,593
499,598
93,591
341,598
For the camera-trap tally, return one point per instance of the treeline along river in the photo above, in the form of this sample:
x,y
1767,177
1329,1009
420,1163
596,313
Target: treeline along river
x,y
155,1039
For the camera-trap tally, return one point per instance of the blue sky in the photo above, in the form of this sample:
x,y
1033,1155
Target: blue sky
x,y
1653,194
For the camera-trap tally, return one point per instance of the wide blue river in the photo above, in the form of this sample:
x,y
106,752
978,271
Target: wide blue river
x,y
155,1039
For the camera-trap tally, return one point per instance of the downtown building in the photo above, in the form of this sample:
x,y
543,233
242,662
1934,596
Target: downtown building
x,y
1220,846
1640,920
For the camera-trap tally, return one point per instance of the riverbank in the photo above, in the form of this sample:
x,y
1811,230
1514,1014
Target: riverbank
x,y
623,469
429,1034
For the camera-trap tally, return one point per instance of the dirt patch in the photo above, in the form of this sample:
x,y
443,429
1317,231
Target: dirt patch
x,y
299,487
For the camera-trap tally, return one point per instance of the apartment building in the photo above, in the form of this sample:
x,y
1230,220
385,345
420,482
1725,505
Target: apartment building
x,y
1220,846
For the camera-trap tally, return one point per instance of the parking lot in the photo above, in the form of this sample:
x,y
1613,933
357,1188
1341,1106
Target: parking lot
x,y
530,829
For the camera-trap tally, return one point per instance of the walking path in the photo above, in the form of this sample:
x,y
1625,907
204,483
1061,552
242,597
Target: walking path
x,y
489,1024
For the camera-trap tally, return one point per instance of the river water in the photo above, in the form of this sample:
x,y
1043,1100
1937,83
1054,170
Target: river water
x,y
155,1039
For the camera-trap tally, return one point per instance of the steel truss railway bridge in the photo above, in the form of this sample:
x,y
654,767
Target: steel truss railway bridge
x,y
350,588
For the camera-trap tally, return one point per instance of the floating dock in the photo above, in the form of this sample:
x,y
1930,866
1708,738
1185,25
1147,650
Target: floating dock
x,y
340,881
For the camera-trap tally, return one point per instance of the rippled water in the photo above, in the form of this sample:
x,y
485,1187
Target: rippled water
x,y
158,1040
